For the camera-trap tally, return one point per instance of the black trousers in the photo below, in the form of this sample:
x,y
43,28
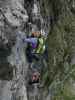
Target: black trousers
x,y
30,56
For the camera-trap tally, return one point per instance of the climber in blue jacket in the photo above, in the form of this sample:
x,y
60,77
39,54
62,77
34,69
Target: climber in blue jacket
x,y
36,45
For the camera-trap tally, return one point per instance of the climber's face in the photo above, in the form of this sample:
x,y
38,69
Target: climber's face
x,y
36,34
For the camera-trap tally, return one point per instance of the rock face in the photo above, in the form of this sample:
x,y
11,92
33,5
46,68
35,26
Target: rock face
x,y
16,17
12,16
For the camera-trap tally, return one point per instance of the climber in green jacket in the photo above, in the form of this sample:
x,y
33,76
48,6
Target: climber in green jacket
x,y
40,43
39,48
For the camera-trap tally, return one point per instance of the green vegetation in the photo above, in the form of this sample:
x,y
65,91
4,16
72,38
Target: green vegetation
x,y
59,76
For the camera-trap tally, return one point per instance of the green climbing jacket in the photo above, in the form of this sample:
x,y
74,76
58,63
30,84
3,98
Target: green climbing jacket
x,y
41,46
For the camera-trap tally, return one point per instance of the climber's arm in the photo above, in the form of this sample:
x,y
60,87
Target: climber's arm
x,y
30,40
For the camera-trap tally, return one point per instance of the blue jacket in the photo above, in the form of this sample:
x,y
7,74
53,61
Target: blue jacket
x,y
32,40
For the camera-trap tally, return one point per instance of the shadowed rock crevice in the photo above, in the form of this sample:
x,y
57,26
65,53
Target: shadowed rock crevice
x,y
6,70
